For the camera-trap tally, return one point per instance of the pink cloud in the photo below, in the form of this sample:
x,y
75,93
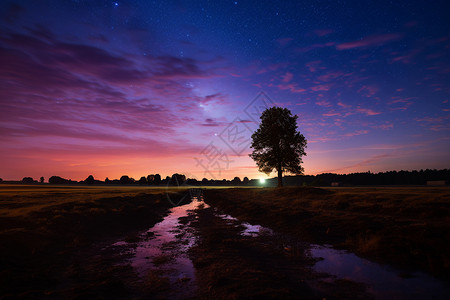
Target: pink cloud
x,y
330,76
370,41
407,58
331,114
321,87
368,90
314,46
323,103
367,111
343,105
435,123
400,103
355,133
313,66
291,87
386,126
323,32
287,77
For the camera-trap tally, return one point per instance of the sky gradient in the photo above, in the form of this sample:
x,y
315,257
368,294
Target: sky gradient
x,y
113,88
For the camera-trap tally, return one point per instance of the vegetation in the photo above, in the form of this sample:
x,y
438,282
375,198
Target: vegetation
x,y
408,227
420,177
277,144
51,238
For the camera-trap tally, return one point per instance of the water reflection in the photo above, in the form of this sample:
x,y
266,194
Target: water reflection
x,y
382,281
164,247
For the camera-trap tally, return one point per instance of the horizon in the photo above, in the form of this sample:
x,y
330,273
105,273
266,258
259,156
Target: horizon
x,y
112,88
163,177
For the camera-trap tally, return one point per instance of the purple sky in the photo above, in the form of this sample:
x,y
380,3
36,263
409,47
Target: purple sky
x,y
113,88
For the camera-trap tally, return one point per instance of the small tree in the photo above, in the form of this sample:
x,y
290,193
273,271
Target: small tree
x,y
277,144
89,180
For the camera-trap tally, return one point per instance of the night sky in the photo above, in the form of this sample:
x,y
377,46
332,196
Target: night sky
x,y
113,88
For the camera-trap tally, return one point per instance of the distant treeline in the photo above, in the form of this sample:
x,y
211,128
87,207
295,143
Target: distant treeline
x,y
368,178
327,179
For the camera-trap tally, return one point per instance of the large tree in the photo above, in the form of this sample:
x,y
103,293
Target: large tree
x,y
277,144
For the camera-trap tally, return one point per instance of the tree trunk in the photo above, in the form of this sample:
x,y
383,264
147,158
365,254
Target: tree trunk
x,y
280,178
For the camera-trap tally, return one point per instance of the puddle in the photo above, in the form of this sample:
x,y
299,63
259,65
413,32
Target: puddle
x,y
382,282
164,248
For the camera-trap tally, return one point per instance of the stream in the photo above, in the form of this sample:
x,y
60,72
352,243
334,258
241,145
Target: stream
x,y
164,248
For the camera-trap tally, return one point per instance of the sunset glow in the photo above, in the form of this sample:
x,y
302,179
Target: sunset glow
x,y
113,88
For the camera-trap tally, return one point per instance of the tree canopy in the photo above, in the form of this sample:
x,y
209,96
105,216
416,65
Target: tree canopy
x,y
277,144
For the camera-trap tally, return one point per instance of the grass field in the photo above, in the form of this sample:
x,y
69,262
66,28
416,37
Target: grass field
x,y
49,236
408,227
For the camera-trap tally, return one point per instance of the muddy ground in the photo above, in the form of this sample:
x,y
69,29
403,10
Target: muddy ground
x,y
56,243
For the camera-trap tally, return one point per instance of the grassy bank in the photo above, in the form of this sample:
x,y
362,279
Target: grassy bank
x,y
408,227
232,266
50,238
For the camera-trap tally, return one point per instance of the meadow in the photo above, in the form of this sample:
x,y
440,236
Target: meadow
x,y
50,237
407,227
53,238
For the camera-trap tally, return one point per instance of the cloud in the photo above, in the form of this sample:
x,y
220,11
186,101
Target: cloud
x,y
367,111
313,47
323,103
321,87
368,90
370,41
211,123
293,87
313,66
330,76
343,105
355,133
435,123
287,77
323,32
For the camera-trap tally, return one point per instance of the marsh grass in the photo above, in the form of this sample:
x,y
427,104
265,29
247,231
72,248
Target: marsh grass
x,y
51,237
408,227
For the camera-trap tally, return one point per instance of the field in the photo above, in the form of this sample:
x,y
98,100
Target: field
x,y
53,238
50,236
408,227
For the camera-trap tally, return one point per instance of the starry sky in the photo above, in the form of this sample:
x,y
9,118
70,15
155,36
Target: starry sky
x,y
113,88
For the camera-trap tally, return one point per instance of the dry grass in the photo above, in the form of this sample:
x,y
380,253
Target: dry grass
x,y
51,236
405,226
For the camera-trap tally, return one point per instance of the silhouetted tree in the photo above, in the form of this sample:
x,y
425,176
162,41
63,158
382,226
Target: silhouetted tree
x,y
125,180
28,180
150,179
176,179
58,180
107,180
277,144
89,180
236,180
142,180
157,180
245,180
41,180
